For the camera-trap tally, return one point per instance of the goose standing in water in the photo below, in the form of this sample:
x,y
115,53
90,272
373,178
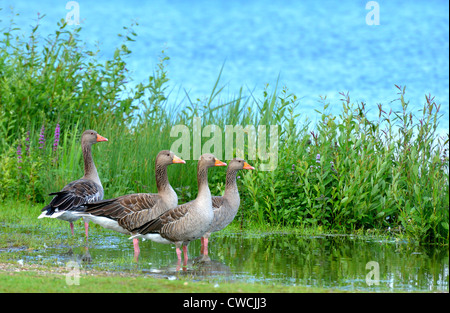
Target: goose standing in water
x,y
225,207
79,192
184,223
108,213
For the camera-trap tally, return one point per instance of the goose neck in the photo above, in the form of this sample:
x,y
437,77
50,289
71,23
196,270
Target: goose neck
x,y
162,180
90,171
202,180
231,188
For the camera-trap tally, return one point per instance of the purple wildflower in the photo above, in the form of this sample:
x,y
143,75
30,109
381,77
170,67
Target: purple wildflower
x,y
293,166
318,158
19,154
27,143
42,138
332,167
239,177
56,141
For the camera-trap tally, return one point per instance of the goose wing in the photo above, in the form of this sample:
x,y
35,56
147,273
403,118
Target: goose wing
x,y
217,202
122,206
74,195
168,218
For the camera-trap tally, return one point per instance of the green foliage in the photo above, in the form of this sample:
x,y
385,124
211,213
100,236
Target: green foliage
x,y
350,173
61,81
344,173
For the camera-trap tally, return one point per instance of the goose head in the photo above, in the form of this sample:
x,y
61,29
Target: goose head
x,y
239,164
91,137
167,157
209,160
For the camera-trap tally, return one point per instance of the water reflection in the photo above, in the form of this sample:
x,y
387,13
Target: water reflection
x,y
339,262
335,261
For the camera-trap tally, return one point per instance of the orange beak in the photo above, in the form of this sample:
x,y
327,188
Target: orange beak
x,y
101,138
178,160
219,163
248,166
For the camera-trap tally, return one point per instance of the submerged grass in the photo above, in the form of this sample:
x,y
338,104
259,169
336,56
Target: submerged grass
x,y
347,173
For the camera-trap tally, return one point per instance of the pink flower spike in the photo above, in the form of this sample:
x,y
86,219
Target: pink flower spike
x,y
42,137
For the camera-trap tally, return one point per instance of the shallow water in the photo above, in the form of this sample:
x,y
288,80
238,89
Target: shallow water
x,y
341,262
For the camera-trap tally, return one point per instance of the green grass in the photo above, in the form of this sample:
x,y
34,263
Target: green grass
x,y
44,280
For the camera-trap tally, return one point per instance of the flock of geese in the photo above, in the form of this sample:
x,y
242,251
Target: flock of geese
x,y
157,217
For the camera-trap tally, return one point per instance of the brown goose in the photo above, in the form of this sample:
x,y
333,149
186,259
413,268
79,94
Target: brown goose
x,y
186,222
225,207
81,191
107,213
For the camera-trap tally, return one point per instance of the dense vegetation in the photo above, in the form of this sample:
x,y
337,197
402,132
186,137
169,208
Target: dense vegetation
x,y
345,173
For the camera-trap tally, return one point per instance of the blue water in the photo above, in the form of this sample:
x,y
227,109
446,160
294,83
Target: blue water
x,y
317,48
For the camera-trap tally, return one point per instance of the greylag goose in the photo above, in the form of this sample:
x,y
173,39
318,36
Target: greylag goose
x,y
225,207
107,213
79,192
184,223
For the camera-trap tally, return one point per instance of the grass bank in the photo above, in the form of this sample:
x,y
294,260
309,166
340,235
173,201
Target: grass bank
x,y
15,278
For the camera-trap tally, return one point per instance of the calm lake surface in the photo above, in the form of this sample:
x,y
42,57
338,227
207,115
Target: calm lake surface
x,y
316,48
345,263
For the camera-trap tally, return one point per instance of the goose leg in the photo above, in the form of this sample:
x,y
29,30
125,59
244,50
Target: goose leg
x,y
137,251
202,246
71,227
86,229
205,246
185,255
178,256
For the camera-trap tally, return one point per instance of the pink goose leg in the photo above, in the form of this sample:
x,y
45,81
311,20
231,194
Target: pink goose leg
x,y
71,227
205,246
137,251
202,246
178,257
86,230
185,257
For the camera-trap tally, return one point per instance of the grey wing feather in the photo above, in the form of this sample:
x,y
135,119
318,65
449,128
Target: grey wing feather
x,y
217,201
166,218
137,219
122,206
74,195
